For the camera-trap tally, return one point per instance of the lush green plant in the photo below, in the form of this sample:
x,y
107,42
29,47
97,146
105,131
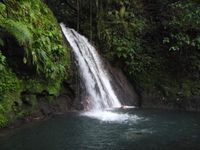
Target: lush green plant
x,y
3,121
2,8
10,89
17,30
183,26
124,48
33,26
29,27
8,82
2,61
122,29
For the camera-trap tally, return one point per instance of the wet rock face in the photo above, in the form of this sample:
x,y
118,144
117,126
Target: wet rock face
x,y
60,105
122,87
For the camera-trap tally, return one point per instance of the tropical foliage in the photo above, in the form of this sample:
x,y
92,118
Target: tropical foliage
x,y
30,41
27,23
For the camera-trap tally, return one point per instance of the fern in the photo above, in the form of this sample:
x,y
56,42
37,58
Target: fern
x,y
2,8
18,30
34,27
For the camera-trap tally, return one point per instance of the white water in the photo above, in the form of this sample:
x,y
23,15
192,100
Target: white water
x,y
108,116
100,93
101,98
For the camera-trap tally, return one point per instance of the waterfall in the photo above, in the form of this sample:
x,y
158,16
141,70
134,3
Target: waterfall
x,y
100,94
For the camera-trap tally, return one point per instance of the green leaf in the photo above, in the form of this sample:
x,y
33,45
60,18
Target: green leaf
x,y
166,40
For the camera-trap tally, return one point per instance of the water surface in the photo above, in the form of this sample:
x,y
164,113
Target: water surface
x,y
134,129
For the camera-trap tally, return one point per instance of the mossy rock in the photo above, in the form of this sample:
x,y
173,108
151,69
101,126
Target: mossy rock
x,y
30,41
39,86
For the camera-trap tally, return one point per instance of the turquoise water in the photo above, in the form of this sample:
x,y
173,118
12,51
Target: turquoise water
x,y
134,129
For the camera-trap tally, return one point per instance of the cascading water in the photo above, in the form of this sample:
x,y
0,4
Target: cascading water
x,y
100,93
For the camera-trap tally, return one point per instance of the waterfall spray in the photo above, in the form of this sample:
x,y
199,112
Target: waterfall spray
x,y
100,94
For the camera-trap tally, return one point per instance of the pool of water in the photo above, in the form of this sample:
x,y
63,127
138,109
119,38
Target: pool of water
x,y
133,129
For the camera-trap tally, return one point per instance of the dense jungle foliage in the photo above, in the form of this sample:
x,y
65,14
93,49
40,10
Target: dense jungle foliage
x,y
33,57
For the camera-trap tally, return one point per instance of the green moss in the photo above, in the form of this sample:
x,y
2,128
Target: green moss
x,y
39,86
9,82
10,91
3,121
